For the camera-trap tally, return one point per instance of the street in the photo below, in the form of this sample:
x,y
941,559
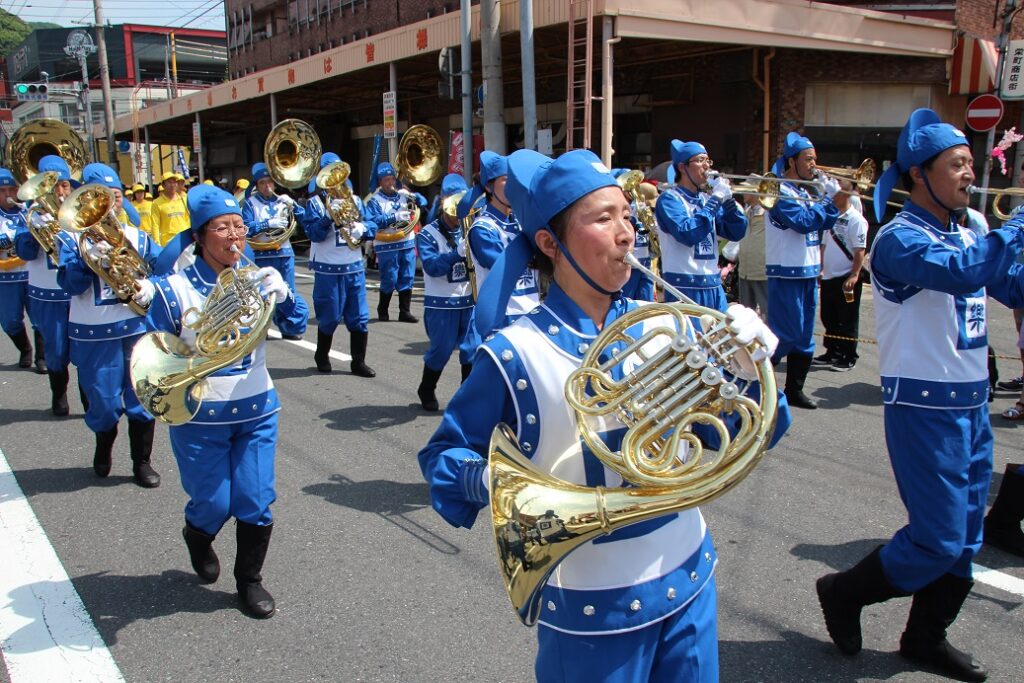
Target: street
x,y
372,585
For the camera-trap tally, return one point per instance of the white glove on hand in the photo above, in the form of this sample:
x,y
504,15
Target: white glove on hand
x,y
831,187
721,189
144,296
286,200
461,249
403,215
337,205
277,223
358,230
5,242
99,252
747,325
40,220
271,282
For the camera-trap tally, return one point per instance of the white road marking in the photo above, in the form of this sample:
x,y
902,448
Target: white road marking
x,y
336,355
46,634
997,579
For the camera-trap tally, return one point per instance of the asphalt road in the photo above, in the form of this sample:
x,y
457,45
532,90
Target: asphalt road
x,y
372,585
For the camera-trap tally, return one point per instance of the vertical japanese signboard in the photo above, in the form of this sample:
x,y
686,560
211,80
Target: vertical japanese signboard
x,y
390,115
1013,72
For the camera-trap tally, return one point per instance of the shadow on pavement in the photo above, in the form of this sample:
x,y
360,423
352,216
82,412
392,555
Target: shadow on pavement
x,y
370,418
840,556
69,479
417,348
855,393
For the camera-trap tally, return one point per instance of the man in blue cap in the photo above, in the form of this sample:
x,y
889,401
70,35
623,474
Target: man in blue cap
x,y
14,276
691,220
339,274
793,260
931,279
388,207
103,331
494,227
225,454
447,299
266,216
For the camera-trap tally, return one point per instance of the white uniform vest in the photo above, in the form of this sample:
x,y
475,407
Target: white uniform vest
x,y
526,294
264,210
386,204
18,272
788,254
695,266
96,314
452,290
332,254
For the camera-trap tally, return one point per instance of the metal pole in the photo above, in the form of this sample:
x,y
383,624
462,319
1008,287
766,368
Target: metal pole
x,y
1009,12
148,182
174,64
199,154
529,86
87,97
490,53
273,110
467,92
108,105
393,87
607,89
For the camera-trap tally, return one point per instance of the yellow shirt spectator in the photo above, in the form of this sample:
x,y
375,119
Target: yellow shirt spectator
x,y
145,209
169,213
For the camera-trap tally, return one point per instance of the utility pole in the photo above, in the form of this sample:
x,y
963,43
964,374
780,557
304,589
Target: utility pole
x,y
466,57
108,104
494,97
80,46
1009,12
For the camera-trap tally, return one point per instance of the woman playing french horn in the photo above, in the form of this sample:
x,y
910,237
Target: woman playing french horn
x,y
225,454
639,604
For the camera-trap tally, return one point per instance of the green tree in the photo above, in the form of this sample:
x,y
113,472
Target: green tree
x,y
12,31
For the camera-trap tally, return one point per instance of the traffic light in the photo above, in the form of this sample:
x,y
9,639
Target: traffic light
x,y
32,92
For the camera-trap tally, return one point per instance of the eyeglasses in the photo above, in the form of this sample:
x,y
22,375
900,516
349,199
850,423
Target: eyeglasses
x,y
703,161
230,231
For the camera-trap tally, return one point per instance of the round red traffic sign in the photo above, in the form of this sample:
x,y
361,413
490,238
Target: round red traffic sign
x,y
984,112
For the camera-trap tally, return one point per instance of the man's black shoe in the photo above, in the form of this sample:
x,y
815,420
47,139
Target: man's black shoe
x,y
844,365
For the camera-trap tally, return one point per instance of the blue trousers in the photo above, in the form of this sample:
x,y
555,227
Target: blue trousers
x,y
227,471
447,330
13,298
791,306
708,297
284,264
51,319
397,270
340,297
942,460
681,648
639,287
103,375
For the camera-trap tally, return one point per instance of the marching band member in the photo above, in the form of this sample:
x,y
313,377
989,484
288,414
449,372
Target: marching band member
x,y
640,285
226,453
447,301
657,578
493,229
262,211
49,304
169,215
690,223
930,280
339,277
793,261
103,331
14,276
396,261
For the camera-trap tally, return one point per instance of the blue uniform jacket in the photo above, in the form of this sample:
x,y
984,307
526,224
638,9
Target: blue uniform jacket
x,y
724,218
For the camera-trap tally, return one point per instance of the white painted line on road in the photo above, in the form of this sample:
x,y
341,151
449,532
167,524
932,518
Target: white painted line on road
x,y
997,579
45,632
336,355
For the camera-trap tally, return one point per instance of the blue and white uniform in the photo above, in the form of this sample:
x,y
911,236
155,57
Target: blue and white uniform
x,y
640,286
256,212
49,304
13,278
689,226
395,260
447,302
226,453
489,235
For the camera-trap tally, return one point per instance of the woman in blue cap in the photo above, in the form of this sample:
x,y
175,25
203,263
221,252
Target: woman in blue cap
x,y
656,578
264,210
339,276
226,453
930,279
447,299
793,260
103,332
691,221
396,261
14,276
493,229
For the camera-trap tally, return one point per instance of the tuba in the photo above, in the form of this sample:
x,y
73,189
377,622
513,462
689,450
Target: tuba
x,y
630,182
418,163
450,206
292,154
89,212
41,190
331,179
669,382
36,139
169,375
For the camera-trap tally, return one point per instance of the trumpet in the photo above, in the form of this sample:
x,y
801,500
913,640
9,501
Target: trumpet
x,y
450,206
331,179
997,196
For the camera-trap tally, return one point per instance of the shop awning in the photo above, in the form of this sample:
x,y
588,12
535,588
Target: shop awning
x,y
973,67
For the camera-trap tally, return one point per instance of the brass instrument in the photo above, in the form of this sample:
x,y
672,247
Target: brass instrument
x,y
450,206
418,163
292,155
331,179
41,190
670,383
169,373
36,139
89,212
8,258
863,177
997,196
764,187
630,182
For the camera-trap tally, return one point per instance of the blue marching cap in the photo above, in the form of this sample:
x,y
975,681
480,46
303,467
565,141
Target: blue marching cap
x,y
52,162
794,144
259,172
385,168
453,183
328,158
684,151
468,201
206,202
492,165
7,178
101,174
923,137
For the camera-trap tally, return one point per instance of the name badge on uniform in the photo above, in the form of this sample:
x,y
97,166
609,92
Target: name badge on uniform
x,y
971,320
458,272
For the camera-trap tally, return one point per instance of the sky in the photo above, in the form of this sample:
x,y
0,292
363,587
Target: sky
x,y
208,14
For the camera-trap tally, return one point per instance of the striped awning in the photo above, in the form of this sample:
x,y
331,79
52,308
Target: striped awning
x,y
973,68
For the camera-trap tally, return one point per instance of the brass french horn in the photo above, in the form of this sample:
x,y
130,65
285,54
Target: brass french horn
x,y
670,381
292,155
418,163
331,179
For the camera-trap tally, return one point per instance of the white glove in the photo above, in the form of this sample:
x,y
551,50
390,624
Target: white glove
x,y
40,219
99,252
337,205
720,188
286,200
461,249
145,293
5,242
731,251
277,223
357,231
831,187
747,325
271,282
403,215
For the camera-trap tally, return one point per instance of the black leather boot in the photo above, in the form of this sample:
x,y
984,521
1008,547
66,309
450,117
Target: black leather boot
x,y
140,438
466,369
842,596
101,458
382,307
934,610
1002,523
24,346
404,305
322,356
358,342
253,541
200,550
40,353
797,365
59,392
426,390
